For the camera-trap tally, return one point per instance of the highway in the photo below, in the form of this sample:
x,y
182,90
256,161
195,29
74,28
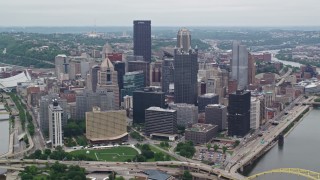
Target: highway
x,y
254,147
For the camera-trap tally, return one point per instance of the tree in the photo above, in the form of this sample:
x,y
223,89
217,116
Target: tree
x,y
47,151
215,147
187,175
224,149
159,156
236,143
209,146
37,154
120,178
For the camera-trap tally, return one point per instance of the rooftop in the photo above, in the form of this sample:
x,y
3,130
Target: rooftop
x,y
199,127
160,109
208,95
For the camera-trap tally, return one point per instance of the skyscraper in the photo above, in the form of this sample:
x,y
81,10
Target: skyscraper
x,y
167,74
142,39
184,39
108,80
94,77
216,114
132,81
239,65
185,70
143,99
141,66
162,121
251,70
55,124
239,113
120,67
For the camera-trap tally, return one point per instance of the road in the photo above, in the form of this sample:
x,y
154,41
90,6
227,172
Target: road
x,y
253,148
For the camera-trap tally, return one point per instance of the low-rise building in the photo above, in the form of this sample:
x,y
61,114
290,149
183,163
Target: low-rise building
x,y
201,133
106,126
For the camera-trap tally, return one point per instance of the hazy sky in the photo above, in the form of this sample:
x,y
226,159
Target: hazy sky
x,y
161,12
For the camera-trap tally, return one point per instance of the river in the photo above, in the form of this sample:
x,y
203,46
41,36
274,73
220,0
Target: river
x,y
300,150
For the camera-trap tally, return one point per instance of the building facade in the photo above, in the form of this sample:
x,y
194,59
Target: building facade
x,y
167,75
201,133
160,121
132,81
106,126
204,100
141,66
255,113
55,124
143,99
185,70
186,113
142,39
216,114
239,113
239,65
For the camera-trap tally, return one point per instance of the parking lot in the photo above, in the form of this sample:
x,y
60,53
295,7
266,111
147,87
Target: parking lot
x,y
213,158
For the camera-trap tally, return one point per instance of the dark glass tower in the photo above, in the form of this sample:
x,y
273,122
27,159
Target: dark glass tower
x,y
143,99
185,70
142,39
239,113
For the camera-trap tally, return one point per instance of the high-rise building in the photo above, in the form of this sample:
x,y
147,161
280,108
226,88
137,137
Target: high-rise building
x,y
55,124
108,81
87,100
44,103
143,99
61,63
184,39
132,81
106,126
204,100
155,73
94,77
251,70
255,113
185,70
142,39
239,113
216,114
141,66
167,74
160,121
186,113
239,65
120,67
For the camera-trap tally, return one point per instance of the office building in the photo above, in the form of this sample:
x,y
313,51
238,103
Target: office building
x,y
120,67
255,113
201,133
155,73
142,39
251,70
106,126
216,114
186,113
85,101
167,75
108,81
185,70
239,65
160,121
94,77
239,113
44,103
55,124
143,99
204,100
140,66
132,81
61,63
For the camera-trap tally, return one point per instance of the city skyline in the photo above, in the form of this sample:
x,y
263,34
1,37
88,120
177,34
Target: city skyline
x,y
161,13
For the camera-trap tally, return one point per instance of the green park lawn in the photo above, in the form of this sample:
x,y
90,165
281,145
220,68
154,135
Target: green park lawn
x,y
114,154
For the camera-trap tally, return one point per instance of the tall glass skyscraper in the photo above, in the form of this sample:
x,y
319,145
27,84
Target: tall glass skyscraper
x,y
142,39
185,69
239,65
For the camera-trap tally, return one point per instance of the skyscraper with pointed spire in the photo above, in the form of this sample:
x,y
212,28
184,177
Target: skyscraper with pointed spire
x,y
108,80
185,69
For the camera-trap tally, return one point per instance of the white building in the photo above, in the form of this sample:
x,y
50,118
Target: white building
x,y
255,113
55,124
